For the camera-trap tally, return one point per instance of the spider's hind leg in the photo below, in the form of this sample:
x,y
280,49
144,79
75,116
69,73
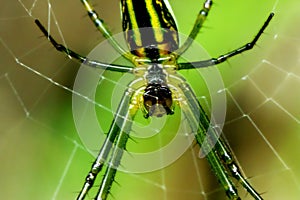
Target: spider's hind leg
x,y
73,55
223,58
101,26
201,17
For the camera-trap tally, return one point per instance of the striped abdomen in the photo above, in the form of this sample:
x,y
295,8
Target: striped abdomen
x,y
150,29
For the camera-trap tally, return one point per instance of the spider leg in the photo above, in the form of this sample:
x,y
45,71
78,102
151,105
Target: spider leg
x,y
114,143
222,58
197,116
81,59
228,159
215,148
100,25
196,28
115,160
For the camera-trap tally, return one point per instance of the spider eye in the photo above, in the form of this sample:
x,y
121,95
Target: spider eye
x,y
157,100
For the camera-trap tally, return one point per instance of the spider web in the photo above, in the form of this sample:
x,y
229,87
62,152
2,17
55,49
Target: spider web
x,y
42,155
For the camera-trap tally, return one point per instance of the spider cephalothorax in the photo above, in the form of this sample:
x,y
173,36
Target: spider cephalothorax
x,y
157,96
157,100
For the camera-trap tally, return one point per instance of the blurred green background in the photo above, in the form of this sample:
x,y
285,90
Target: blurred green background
x,y
41,154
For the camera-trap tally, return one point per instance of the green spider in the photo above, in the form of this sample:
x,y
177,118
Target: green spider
x,y
151,35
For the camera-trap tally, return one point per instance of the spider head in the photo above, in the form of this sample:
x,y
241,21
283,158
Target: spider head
x,y
158,100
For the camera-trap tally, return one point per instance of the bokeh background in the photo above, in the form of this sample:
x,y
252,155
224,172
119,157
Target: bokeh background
x,y
41,154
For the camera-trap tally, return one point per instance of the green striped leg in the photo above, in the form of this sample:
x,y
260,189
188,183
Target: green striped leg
x,y
116,142
196,28
119,147
216,150
73,55
223,58
100,25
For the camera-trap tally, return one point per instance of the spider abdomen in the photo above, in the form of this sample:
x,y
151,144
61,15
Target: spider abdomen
x,y
149,27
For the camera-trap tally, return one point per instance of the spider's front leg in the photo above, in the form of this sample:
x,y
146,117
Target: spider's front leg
x,y
197,117
114,145
214,147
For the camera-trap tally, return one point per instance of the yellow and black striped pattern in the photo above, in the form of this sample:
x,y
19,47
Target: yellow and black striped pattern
x,y
150,29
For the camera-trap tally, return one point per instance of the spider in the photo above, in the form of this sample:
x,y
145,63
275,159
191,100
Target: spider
x,y
151,34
